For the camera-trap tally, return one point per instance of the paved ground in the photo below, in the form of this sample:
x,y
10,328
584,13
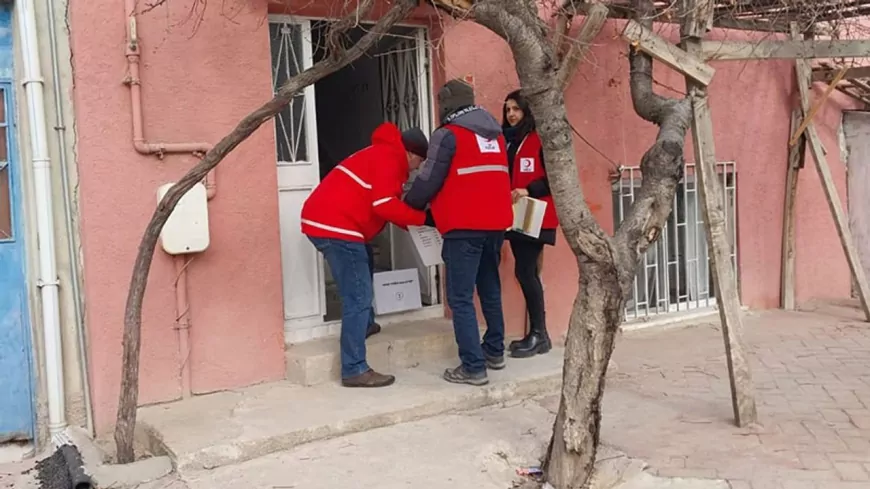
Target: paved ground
x,y
479,449
668,402
18,475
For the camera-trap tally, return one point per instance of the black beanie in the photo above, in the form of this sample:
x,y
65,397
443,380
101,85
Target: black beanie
x,y
415,141
453,96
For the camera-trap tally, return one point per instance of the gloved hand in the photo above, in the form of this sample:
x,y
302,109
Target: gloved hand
x,y
430,221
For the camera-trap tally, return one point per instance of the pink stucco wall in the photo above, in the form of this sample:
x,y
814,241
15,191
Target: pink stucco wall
x,y
196,86
751,104
198,81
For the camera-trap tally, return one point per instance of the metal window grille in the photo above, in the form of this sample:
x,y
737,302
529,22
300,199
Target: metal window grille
x,y
674,274
400,84
287,61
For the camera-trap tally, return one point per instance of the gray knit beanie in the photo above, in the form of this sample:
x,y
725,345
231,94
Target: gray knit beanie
x,y
453,96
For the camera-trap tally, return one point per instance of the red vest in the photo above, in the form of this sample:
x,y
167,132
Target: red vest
x,y
526,168
476,194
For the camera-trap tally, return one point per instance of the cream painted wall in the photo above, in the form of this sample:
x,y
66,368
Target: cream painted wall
x,y
75,404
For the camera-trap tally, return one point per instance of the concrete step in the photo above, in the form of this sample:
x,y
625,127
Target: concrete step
x,y
231,427
397,346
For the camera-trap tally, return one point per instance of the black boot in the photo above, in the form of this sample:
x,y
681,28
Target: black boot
x,y
515,343
537,342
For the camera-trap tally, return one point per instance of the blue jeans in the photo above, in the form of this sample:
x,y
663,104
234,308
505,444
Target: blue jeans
x,y
471,262
371,253
349,263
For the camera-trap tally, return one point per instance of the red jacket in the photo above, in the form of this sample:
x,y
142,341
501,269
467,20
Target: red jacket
x,y
528,167
362,193
476,194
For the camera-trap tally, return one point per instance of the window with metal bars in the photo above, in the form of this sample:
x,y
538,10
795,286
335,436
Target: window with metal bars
x,y
674,275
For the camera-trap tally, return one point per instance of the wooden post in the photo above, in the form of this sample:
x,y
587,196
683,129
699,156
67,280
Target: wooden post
x,y
818,105
796,155
698,18
804,75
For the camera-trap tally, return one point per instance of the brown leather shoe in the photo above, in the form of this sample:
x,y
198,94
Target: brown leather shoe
x,y
373,329
369,379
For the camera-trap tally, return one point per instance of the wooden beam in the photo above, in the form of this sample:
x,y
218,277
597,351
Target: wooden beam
x,y
712,205
666,16
649,42
754,25
828,74
796,155
696,18
804,75
859,84
595,19
859,98
453,6
793,49
815,109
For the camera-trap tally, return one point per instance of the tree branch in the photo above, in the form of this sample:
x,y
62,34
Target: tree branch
x,y
564,17
129,395
536,66
661,166
595,19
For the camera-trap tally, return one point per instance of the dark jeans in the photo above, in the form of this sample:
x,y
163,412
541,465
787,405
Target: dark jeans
x,y
526,255
350,268
471,262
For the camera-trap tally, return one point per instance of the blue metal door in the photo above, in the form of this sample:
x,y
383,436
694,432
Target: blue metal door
x,y
16,389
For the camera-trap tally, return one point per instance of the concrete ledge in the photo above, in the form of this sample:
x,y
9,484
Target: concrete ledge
x,y
105,474
231,427
397,346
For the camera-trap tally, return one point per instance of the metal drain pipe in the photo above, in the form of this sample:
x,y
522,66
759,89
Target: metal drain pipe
x,y
72,244
41,162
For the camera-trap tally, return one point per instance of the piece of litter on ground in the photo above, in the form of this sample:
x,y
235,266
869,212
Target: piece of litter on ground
x,y
529,471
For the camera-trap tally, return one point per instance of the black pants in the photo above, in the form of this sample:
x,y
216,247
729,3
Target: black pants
x,y
526,255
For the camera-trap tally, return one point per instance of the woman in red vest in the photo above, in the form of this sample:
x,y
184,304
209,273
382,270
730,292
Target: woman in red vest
x,y
528,179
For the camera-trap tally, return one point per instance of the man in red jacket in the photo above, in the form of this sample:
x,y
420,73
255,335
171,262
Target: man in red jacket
x,y
348,209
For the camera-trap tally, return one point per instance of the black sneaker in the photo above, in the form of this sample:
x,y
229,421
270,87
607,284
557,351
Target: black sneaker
x,y
494,363
458,375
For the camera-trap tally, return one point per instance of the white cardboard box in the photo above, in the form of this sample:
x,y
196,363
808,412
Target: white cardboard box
x,y
396,291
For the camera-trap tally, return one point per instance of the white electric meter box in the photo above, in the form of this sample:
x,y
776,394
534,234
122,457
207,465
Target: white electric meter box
x,y
186,231
397,291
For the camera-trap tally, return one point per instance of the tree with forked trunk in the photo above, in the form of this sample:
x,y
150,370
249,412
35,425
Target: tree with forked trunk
x,y
607,264
340,53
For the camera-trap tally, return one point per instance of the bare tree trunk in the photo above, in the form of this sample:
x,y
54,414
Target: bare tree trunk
x,y
594,321
607,265
605,280
338,58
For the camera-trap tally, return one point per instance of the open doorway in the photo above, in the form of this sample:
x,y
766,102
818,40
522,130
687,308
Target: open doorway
x,y
389,83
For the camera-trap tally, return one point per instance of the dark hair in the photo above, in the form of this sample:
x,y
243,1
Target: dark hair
x,y
526,125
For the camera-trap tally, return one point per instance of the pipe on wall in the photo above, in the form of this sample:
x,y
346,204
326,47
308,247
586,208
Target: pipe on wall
x,y
41,161
182,321
182,302
134,82
72,248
